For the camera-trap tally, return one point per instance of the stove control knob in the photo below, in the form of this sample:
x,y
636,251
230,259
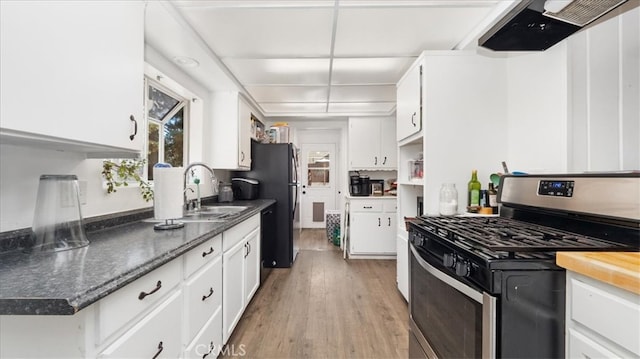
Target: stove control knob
x,y
449,260
463,268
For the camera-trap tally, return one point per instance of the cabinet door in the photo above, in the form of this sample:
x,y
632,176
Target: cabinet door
x,y
232,287
408,114
252,265
244,135
156,335
402,266
388,144
202,297
73,71
364,143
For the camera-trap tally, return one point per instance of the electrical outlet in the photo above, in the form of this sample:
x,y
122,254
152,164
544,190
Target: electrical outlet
x,y
82,187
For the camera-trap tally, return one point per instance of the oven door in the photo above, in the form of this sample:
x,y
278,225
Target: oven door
x,y
449,319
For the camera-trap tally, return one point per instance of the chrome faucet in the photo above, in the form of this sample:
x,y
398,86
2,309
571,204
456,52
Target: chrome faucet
x,y
186,172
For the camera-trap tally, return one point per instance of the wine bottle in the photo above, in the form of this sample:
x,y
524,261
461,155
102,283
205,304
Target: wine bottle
x,y
493,198
474,192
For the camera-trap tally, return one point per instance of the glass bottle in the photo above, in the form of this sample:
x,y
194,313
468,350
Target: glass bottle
x,y
493,198
448,199
474,192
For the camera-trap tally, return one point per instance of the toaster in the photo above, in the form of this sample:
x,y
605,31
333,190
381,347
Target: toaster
x,y
244,188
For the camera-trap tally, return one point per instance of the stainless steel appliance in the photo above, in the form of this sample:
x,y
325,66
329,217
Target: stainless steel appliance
x,y
489,286
275,167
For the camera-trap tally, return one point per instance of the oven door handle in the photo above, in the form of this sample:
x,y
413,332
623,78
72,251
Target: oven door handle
x,y
461,287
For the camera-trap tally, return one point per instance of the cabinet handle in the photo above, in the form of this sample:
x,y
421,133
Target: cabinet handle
x,y
247,248
204,254
375,160
208,295
413,122
135,127
378,221
160,347
157,288
211,346
367,207
241,156
389,218
384,162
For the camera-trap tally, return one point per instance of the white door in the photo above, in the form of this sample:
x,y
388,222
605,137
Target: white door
x,y
318,180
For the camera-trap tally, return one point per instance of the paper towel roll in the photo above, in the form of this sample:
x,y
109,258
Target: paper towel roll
x,y
167,192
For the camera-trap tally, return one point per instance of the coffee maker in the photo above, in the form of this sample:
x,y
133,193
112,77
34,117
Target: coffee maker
x,y
359,185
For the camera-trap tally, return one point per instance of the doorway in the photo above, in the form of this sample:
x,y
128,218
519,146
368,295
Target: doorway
x,y
318,180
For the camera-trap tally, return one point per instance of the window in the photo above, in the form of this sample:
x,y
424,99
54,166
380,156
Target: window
x,y
166,117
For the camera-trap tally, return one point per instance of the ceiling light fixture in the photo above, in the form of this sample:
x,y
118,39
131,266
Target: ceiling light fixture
x,y
186,61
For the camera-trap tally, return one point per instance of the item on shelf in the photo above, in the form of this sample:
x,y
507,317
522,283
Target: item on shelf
x,y
473,193
377,187
448,199
393,187
417,171
279,133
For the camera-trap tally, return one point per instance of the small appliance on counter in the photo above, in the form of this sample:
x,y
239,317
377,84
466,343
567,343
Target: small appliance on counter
x,y
244,188
225,192
359,185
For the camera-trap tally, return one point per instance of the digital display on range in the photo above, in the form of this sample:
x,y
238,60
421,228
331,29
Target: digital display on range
x,y
556,188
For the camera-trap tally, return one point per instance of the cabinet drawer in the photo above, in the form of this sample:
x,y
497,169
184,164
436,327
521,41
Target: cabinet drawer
x,y
158,332
124,305
203,296
236,233
390,206
365,206
202,254
209,342
607,313
580,346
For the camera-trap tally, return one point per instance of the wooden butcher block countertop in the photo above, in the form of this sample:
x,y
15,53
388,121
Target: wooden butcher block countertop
x,y
620,269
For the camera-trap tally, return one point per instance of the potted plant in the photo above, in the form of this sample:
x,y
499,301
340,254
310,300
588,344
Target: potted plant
x,y
126,171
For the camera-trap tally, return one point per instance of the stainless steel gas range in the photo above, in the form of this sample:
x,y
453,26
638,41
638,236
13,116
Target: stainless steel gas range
x,y
488,287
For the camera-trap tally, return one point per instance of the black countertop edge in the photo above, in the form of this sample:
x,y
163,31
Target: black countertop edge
x,y
71,305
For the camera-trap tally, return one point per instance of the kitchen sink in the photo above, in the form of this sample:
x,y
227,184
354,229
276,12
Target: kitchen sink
x,y
207,214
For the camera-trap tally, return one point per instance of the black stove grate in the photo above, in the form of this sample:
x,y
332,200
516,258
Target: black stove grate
x,y
508,235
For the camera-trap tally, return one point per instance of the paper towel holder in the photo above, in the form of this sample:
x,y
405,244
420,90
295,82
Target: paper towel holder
x,y
168,224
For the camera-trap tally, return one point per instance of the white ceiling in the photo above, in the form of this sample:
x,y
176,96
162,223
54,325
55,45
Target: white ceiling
x,y
314,57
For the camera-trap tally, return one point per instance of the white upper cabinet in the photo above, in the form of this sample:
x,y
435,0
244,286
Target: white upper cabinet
x,y
408,110
230,131
372,144
72,75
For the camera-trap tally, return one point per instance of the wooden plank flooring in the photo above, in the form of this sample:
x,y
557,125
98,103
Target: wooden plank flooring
x,y
325,307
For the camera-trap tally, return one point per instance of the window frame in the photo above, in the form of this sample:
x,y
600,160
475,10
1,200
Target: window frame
x,y
183,104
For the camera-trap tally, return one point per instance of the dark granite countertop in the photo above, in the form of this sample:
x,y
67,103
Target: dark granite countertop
x,y
62,283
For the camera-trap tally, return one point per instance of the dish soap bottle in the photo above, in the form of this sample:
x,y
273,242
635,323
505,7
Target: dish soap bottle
x,y
474,193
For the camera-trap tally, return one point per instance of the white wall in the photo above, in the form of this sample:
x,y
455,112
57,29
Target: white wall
x,y
537,111
604,81
22,167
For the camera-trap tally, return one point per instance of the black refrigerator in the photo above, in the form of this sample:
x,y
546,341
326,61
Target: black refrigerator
x,y
275,166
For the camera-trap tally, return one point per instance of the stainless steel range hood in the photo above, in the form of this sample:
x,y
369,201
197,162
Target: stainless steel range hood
x,y
536,25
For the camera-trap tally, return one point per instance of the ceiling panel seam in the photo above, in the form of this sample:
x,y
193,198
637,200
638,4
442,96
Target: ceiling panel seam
x,y
333,45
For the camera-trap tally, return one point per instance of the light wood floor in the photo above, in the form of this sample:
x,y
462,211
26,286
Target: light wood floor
x,y
325,307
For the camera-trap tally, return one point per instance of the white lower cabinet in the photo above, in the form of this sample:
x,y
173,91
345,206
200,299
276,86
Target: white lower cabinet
x,y
603,321
241,272
187,307
373,225
402,264
155,336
